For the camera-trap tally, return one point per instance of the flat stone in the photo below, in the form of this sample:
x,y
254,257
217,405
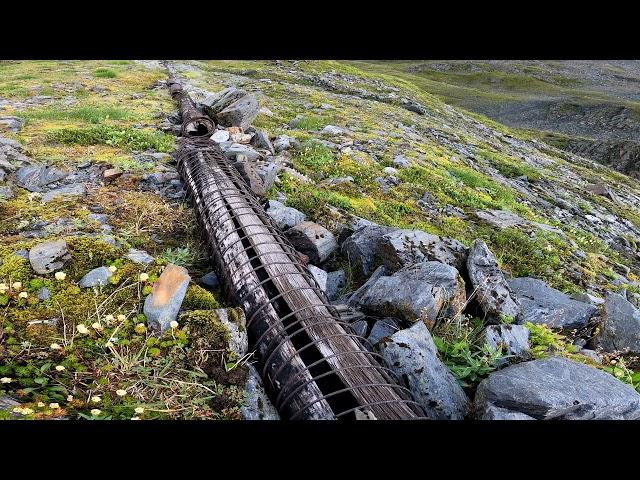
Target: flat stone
x,y
501,218
48,257
257,405
313,240
401,161
417,291
333,130
43,294
97,276
236,149
66,191
162,306
405,247
543,304
560,389
493,293
413,356
284,217
110,174
10,124
319,275
35,177
6,192
620,330
139,256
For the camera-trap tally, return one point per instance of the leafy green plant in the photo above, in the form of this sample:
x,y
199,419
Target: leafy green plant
x,y
180,256
545,342
460,344
104,73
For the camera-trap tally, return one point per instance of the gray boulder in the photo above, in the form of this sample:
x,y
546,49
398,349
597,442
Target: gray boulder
x,y
400,161
239,113
496,413
11,124
162,306
543,304
620,329
361,249
261,140
217,102
404,247
268,173
384,327
257,405
557,388
513,339
313,240
335,282
284,217
220,136
423,290
493,294
413,356
235,149
97,276
48,257
35,177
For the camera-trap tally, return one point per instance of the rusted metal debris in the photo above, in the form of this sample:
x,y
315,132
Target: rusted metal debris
x,y
313,363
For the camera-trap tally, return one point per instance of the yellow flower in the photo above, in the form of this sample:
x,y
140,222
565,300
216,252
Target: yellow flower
x,y
27,411
140,328
3,287
40,404
135,418
109,318
60,368
82,328
96,399
139,410
60,276
16,285
23,295
54,405
108,345
6,380
613,362
70,398
113,268
122,318
96,326
121,392
95,412
173,324
143,277
55,346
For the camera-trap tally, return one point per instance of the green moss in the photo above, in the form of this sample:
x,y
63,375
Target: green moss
x,y
89,113
197,298
205,329
104,73
125,137
88,253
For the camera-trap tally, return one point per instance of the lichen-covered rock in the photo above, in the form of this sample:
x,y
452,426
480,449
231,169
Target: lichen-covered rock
x,y
361,249
492,291
97,276
501,218
48,257
543,304
558,388
313,240
162,306
65,191
418,291
620,330
405,247
234,320
284,217
257,405
413,356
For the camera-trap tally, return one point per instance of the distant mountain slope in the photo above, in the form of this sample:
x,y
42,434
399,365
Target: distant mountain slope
x,y
586,107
